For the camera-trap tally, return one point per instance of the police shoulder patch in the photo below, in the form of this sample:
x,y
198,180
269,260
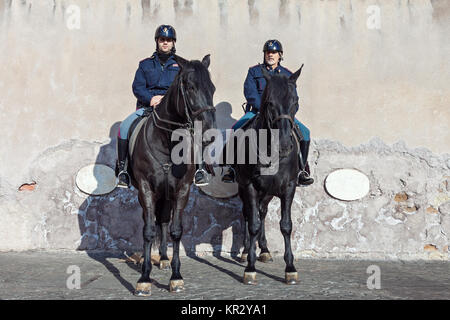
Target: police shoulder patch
x,y
256,68
146,60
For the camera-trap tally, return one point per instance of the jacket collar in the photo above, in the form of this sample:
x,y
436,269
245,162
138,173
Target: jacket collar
x,y
169,62
269,69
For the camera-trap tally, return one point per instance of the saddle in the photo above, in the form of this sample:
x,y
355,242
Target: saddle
x,y
178,171
248,123
135,127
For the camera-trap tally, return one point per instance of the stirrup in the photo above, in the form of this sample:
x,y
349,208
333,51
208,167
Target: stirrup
x,y
231,174
205,179
307,179
122,184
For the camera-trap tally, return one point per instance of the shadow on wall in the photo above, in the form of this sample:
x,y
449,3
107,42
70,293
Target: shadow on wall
x,y
223,115
113,223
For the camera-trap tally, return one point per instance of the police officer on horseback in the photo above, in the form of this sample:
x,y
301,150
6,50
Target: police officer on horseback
x,y
151,82
253,88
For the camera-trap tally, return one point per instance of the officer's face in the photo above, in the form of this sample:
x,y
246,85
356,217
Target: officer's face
x,y
165,44
272,58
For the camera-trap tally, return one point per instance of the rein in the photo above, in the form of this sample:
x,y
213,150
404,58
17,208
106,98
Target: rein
x,y
188,125
269,125
285,116
187,110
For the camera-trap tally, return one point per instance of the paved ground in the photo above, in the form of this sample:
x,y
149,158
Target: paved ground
x,y
44,275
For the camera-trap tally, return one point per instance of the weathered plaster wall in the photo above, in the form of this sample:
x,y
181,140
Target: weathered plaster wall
x,y
406,214
63,90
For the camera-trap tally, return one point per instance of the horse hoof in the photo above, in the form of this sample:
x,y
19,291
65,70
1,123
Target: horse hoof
x,y
244,257
265,257
176,285
164,264
291,277
143,289
250,278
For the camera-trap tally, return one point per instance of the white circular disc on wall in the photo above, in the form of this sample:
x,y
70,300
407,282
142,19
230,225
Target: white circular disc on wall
x,y
347,184
218,189
96,179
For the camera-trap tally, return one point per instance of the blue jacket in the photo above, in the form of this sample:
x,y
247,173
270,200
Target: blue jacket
x,y
255,83
153,79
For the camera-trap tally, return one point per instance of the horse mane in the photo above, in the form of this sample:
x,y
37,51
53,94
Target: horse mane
x,y
274,89
202,74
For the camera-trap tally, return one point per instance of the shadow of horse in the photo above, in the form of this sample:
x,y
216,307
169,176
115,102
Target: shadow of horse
x,y
102,234
214,225
106,233
111,225
223,215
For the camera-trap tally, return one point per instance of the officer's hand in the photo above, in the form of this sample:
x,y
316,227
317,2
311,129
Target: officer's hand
x,y
155,101
147,112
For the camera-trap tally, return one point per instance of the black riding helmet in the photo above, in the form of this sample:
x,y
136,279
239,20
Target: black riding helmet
x,y
166,31
274,45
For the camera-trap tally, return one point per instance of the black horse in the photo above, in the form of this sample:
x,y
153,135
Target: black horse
x,y
163,187
256,188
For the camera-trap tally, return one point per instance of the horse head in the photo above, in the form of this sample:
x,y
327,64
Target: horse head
x,y
279,104
196,90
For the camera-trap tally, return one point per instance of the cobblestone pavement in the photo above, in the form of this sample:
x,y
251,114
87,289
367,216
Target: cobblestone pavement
x,y
44,275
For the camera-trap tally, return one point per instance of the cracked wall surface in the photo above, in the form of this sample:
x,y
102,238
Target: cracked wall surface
x,y
376,100
406,214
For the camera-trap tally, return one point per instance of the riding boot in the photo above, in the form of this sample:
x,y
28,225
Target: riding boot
x,y
121,170
303,176
229,175
201,177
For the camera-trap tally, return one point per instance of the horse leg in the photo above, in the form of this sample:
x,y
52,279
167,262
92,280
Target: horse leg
x,y
147,200
176,231
164,263
246,243
264,255
246,234
291,275
254,227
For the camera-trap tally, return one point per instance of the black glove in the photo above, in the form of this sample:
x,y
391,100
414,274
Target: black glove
x,y
147,112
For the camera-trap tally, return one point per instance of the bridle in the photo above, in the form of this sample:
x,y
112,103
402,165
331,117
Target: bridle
x,y
189,125
270,123
190,114
282,116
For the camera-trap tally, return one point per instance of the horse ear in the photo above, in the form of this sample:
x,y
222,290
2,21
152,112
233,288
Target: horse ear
x,y
293,78
266,75
206,61
181,61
